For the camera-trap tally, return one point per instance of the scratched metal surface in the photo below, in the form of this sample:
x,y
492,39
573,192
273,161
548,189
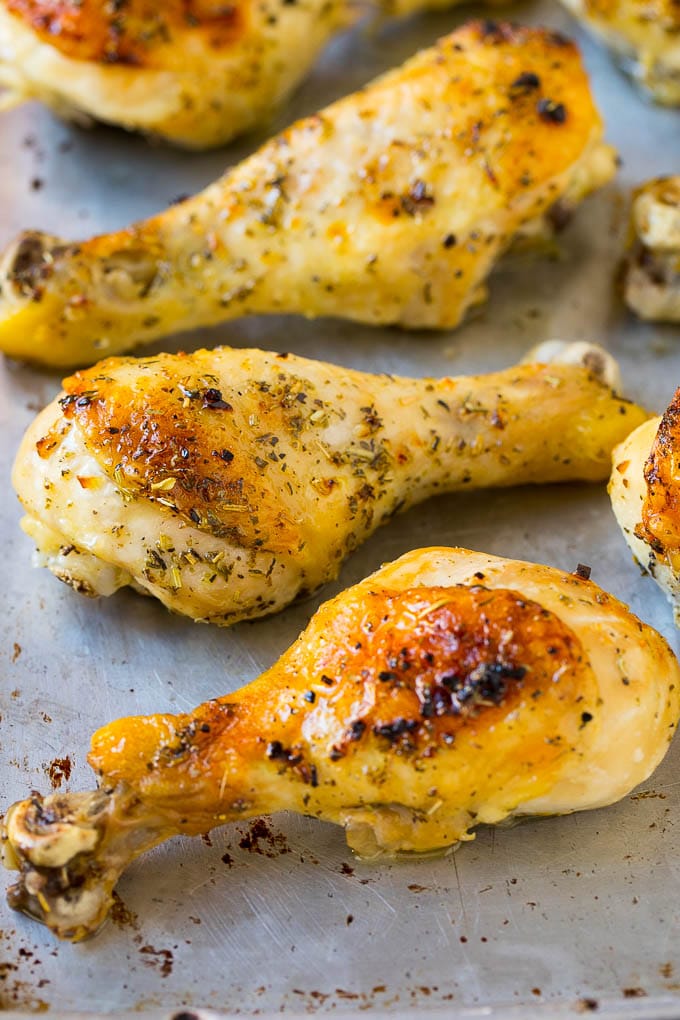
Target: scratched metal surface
x,y
551,918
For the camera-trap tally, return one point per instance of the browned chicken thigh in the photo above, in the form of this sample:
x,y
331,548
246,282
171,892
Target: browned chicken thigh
x,y
447,690
390,206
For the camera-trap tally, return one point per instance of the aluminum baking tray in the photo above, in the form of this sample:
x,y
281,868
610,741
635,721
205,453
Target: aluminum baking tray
x,y
554,918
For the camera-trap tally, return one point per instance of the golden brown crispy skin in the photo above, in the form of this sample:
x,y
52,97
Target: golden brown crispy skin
x,y
173,423
660,524
134,32
448,690
194,72
405,674
227,482
390,206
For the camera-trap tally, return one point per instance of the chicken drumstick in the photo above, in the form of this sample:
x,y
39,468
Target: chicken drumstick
x,y
390,206
448,689
228,482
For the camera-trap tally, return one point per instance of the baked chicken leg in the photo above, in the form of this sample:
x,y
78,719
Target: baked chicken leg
x,y
194,72
652,275
646,36
228,482
391,206
447,690
645,495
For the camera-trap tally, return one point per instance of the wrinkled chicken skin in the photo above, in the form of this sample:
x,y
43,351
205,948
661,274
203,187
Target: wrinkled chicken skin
x,y
228,482
652,275
646,36
390,206
447,690
194,72
645,495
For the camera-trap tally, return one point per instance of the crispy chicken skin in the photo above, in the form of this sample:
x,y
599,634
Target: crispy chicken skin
x,y
646,36
448,689
652,272
645,495
194,72
228,482
390,206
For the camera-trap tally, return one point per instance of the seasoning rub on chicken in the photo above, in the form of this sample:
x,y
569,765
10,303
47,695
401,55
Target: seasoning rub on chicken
x,y
194,72
390,206
645,34
645,495
449,689
228,482
652,274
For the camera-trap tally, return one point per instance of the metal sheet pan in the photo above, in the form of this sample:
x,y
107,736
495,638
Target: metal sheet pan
x,y
553,918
